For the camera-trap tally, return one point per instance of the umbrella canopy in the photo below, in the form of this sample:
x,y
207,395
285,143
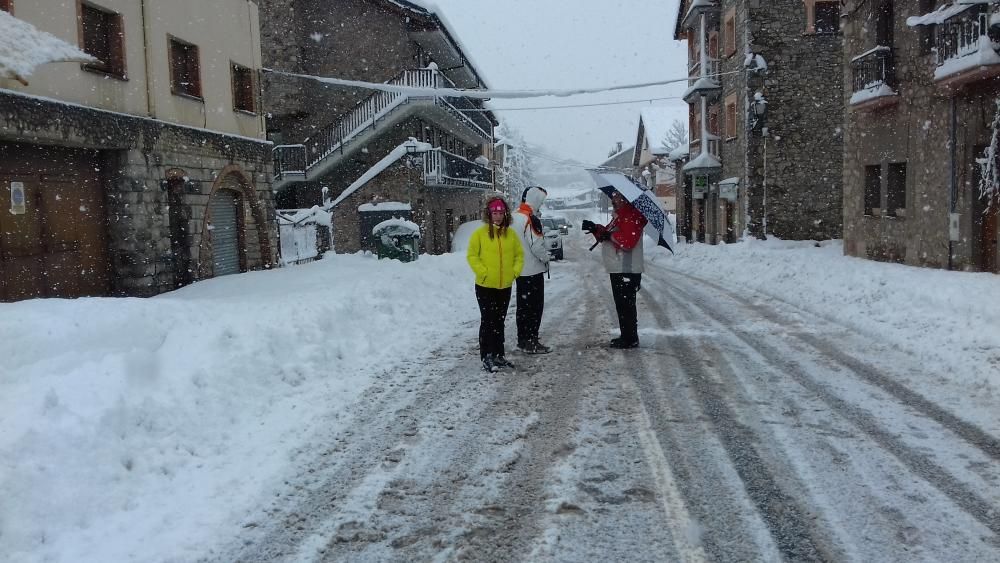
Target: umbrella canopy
x,y
657,222
23,47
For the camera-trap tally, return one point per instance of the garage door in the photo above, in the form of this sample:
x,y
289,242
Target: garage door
x,y
225,233
52,223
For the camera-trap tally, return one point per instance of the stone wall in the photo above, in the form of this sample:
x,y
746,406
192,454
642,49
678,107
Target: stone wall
x,y
140,157
804,158
429,208
353,39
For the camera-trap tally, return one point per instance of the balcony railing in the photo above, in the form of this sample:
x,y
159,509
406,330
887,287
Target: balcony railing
x,y
298,159
289,159
873,69
442,168
960,36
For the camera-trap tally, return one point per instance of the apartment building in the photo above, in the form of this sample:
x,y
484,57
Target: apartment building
x,y
329,137
766,112
146,170
921,93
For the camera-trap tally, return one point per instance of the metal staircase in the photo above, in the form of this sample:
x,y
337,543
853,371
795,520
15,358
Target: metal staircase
x,y
321,152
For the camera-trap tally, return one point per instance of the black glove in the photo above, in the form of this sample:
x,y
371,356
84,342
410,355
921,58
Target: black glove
x,y
588,225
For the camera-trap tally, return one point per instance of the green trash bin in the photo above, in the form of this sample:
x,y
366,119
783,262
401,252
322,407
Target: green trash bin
x,y
397,239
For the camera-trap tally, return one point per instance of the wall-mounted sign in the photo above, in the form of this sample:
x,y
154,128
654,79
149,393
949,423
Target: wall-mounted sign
x,y
699,187
17,199
728,189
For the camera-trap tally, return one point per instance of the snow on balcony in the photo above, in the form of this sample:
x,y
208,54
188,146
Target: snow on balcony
x,y
983,55
874,92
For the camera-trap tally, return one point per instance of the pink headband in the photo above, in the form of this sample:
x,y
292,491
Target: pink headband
x,y
498,206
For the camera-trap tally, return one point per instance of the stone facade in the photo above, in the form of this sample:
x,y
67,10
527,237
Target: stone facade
x,y
373,41
913,130
147,167
787,165
430,209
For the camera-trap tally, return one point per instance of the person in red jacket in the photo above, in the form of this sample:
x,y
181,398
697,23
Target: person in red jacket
x,y
621,249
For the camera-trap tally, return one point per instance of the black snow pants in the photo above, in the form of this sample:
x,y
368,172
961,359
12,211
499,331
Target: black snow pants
x,y
625,287
530,304
493,304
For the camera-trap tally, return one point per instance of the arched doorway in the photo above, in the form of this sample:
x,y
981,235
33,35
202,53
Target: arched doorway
x,y
235,235
224,227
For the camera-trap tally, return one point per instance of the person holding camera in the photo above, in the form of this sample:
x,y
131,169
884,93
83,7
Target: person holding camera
x,y
531,282
496,257
621,250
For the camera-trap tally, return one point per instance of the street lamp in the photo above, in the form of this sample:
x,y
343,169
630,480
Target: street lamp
x,y
759,108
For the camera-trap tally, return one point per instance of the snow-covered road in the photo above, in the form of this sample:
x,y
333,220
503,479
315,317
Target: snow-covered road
x,y
745,428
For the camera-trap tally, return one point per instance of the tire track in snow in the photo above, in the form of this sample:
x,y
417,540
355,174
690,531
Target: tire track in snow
x,y
974,435
919,464
793,532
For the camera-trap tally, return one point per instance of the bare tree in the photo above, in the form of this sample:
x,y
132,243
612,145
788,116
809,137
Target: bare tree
x,y
676,136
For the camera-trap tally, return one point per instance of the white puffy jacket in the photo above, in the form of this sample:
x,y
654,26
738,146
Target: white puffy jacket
x,y
536,256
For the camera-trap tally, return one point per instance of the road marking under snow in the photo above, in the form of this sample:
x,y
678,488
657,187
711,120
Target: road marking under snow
x,y
681,525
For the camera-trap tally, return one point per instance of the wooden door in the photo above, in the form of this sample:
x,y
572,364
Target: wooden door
x,y
56,246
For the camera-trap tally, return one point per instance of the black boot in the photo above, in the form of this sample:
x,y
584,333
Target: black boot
x,y
488,364
624,344
501,362
539,348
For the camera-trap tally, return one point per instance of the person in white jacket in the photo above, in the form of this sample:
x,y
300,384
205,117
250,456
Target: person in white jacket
x,y
531,282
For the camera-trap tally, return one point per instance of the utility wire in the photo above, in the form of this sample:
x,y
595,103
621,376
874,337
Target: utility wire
x,y
578,105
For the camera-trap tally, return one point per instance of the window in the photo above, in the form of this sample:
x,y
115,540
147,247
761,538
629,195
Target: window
x,y
926,39
5,5
713,120
729,41
731,116
895,196
826,17
243,91
713,45
185,72
873,188
102,37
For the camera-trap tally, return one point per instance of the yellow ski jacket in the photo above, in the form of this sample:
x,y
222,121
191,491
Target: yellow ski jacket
x,y
496,261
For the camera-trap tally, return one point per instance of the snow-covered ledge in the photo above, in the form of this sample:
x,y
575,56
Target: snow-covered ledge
x,y
982,62
876,95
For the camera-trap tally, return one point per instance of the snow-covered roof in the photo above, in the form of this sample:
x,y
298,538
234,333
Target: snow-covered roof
x,y
394,155
680,153
655,122
429,8
24,47
704,161
385,206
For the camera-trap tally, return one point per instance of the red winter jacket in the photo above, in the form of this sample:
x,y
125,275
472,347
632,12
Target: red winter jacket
x,y
626,227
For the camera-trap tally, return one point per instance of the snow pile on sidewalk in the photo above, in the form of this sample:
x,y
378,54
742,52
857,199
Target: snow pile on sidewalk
x,y
146,429
947,319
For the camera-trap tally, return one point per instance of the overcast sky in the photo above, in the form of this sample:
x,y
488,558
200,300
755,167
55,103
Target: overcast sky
x,y
560,44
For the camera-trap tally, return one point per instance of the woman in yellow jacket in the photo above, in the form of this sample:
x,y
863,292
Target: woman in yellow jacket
x,y
496,257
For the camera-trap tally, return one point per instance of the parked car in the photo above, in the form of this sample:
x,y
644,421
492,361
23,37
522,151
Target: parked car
x,y
553,238
563,224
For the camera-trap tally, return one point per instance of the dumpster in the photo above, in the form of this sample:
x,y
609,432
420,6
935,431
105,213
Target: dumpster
x,y
397,239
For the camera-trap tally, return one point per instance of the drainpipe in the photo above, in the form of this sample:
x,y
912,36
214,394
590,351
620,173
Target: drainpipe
x,y
150,99
951,176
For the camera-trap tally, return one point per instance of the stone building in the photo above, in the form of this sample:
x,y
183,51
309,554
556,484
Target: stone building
x,y
330,136
766,119
921,92
144,171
